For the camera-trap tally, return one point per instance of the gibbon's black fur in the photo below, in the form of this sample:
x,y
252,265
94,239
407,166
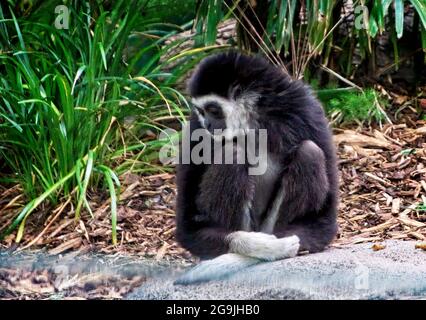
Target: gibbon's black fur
x,y
211,197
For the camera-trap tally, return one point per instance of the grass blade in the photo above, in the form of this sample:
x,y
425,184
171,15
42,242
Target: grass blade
x,y
109,177
399,18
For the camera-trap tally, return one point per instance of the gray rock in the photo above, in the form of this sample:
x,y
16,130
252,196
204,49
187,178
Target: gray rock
x,y
351,272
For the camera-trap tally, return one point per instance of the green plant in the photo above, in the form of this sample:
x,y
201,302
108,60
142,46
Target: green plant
x,y
350,105
176,12
74,103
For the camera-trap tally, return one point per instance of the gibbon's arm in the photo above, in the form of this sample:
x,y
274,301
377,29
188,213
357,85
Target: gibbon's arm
x,y
213,215
236,250
198,236
211,204
193,229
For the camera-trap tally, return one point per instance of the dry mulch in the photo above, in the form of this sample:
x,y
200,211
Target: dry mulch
x,y
383,183
45,284
145,222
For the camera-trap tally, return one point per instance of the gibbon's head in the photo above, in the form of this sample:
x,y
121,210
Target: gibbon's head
x,y
226,88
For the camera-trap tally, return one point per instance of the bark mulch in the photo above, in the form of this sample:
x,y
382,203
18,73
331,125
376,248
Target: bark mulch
x,y
46,284
383,183
145,222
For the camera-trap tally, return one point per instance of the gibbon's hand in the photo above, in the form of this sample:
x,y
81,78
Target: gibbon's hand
x,y
263,246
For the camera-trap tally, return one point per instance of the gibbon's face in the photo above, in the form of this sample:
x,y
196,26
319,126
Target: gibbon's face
x,y
210,114
224,118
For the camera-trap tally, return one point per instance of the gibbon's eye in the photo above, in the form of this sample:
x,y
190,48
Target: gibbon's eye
x,y
214,110
200,110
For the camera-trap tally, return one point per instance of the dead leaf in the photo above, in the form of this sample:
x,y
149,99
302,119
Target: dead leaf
x,y
378,246
421,245
352,137
73,243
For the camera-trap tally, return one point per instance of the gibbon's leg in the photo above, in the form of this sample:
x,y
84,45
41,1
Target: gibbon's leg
x,y
308,205
237,249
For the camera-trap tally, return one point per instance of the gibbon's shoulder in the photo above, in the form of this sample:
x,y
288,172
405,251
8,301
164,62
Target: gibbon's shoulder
x,y
223,73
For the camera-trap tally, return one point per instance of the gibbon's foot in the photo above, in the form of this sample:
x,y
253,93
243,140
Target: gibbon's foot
x,y
263,246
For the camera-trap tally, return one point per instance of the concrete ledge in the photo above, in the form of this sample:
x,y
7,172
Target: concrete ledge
x,y
352,272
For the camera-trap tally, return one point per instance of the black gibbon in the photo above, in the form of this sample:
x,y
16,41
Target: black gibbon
x,y
237,219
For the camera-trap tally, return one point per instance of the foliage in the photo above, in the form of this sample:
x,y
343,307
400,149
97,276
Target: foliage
x,y
300,31
74,101
344,105
176,12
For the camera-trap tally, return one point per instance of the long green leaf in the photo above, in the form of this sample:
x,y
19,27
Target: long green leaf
x,y
85,184
420,6
399,17
109,177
